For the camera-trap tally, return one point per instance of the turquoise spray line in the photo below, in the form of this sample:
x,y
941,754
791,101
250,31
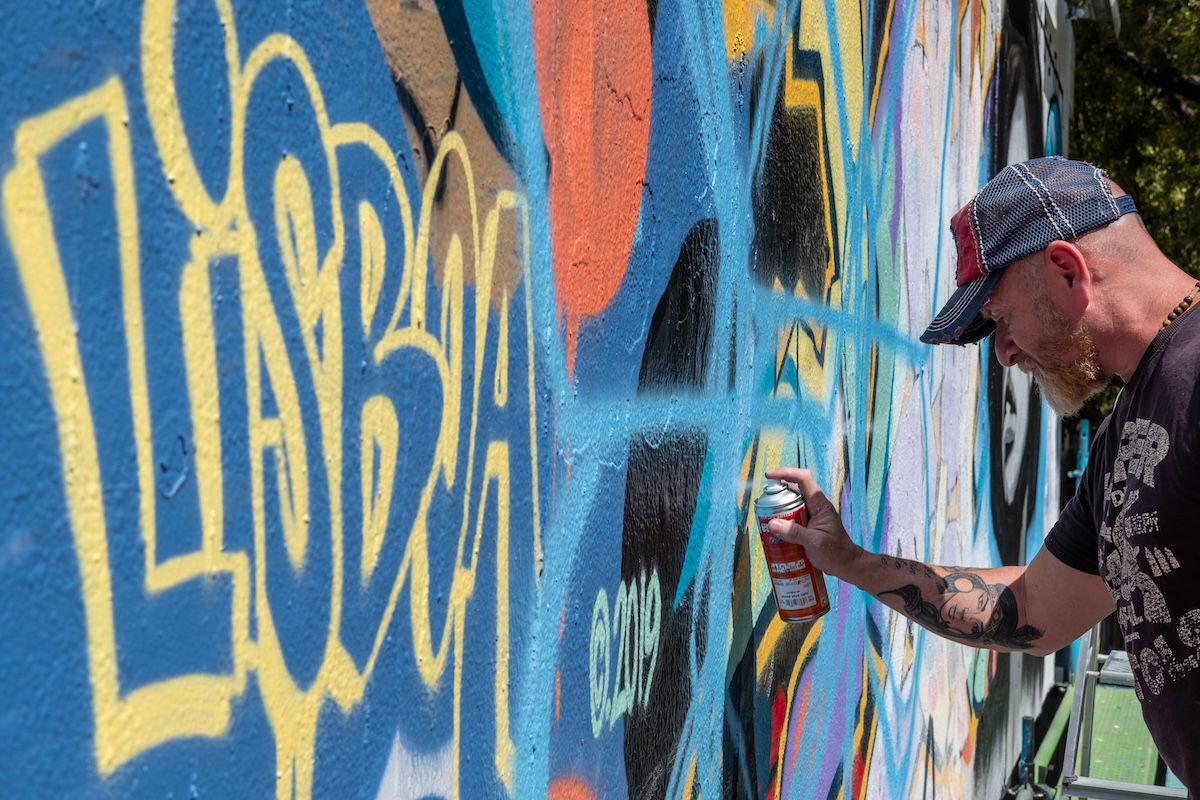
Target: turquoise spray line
x,y
701,734
509,26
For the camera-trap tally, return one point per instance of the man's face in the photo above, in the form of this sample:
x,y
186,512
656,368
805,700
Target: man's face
x,y
1036,337
966,598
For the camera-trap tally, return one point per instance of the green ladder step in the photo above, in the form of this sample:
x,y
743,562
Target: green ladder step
x,y
1107,740
1122,749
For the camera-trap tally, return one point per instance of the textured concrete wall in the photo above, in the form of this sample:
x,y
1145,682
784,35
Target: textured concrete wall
x,y
384,387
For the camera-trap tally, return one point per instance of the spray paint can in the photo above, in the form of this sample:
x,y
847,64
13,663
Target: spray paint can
x,y
799,587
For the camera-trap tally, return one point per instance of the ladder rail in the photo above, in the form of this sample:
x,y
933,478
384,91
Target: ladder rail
x,y
1079,735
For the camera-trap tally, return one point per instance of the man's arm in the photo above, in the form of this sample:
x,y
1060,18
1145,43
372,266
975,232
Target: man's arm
x,y
1037,608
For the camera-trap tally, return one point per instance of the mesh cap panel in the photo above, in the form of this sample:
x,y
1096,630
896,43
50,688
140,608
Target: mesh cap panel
x,y
1027,206
1019,212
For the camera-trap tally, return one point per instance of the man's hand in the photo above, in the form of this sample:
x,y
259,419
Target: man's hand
x,y
825,540
1036,609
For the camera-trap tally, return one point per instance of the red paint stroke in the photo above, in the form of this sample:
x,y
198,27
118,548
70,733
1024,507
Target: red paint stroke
x,y
567,788
976,11
779,724
594,84
857,773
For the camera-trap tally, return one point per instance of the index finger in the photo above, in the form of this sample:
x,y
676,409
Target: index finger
x,y
801,477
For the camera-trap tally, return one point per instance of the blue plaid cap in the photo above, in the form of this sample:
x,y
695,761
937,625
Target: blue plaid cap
x,y
1019,212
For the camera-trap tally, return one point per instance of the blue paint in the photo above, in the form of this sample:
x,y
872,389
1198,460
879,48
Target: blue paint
x,y
1054,129
936,299
706,151
695,543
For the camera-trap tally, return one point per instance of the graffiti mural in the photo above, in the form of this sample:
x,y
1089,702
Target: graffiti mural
x,y
385,387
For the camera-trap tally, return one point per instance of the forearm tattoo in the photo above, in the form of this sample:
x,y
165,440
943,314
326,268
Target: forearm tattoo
x,y
971,610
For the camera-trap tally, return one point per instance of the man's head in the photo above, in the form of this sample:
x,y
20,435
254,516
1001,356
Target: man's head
x,y
1021,214
1056,350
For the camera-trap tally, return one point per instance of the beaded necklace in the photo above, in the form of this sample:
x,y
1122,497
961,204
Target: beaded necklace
x,y
1182,307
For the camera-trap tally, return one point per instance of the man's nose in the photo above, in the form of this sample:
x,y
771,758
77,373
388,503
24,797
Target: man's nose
x,y
1007,350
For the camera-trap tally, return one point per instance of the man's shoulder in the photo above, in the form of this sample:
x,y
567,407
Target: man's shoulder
x,y
1183,338
1172,368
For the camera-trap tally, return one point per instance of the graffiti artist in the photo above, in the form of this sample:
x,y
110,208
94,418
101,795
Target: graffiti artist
x,y
1054,259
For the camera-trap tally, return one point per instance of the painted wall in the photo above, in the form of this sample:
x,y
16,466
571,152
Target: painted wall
x,y
384,387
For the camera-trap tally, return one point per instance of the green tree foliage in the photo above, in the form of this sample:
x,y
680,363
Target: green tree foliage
x,y
1137,114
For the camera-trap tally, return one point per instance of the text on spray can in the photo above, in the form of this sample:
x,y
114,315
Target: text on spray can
x,y
799,587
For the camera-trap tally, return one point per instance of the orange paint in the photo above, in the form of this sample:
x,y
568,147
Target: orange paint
x,y
594,83
569,789
795,743
562,626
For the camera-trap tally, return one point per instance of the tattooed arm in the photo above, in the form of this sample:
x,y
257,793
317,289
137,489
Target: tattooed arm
x,y
976,606
1037,608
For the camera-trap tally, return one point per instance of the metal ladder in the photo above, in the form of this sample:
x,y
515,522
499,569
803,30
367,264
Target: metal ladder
x,y
1078,756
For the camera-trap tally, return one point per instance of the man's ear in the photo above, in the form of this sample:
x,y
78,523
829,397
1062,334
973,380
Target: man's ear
x,y
1068,278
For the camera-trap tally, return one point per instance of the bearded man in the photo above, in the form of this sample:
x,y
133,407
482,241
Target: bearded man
x,y
1054,259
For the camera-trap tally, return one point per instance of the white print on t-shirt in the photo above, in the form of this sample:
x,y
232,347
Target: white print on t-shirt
x,y
1138,597
1130,569
1144,445
1161,559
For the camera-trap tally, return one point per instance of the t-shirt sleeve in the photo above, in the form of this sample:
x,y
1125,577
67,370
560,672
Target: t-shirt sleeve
x,y
1072,540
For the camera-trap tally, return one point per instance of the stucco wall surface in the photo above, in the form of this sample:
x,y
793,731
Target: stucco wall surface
x,y
384,387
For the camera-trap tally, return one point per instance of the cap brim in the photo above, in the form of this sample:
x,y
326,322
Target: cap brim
x,y
959,321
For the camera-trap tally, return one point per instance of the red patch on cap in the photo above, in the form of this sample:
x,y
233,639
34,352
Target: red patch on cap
x,y
969,265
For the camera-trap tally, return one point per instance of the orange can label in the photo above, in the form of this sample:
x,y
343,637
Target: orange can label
x,y
799,587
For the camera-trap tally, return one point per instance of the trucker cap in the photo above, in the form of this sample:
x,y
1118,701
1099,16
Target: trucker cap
x,y
1019,212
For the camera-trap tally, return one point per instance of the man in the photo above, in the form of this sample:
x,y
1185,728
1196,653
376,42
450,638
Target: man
x,y
1054,259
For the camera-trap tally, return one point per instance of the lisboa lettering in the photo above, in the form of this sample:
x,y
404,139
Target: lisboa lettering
x,y
296,435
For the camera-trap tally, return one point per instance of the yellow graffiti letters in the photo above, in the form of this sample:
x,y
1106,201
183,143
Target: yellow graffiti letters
x,y
300,402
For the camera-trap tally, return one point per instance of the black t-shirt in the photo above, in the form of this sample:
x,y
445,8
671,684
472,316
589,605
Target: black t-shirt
x,y
1135,521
